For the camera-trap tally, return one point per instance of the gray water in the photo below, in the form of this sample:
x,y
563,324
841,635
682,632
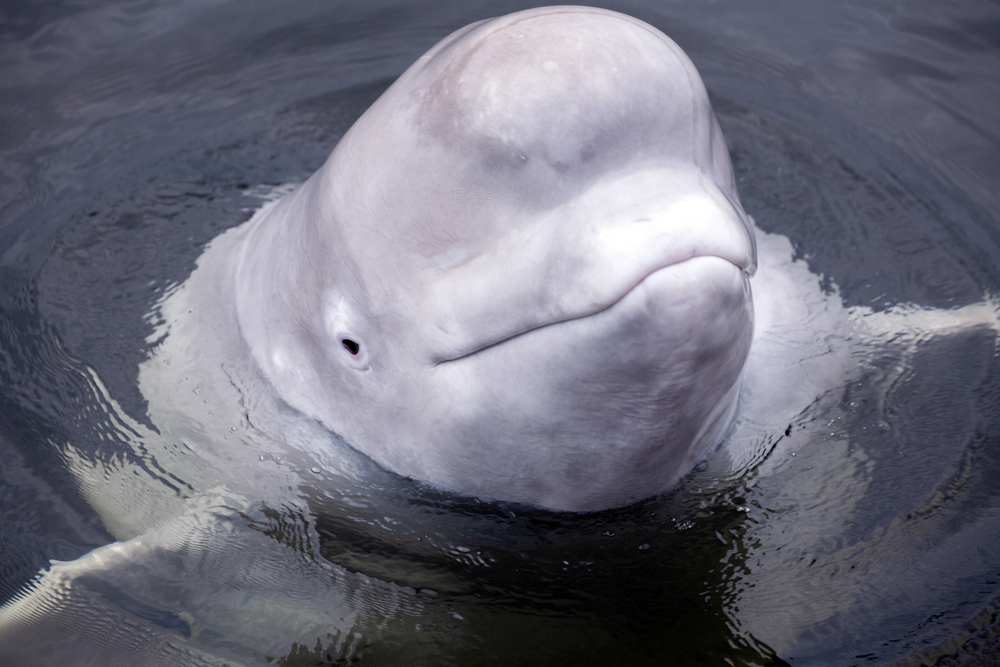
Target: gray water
x,y
133,133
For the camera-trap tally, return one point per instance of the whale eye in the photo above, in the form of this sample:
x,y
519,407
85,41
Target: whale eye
x,y
353,350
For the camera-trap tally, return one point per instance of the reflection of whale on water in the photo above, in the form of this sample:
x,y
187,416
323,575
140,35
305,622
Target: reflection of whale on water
x,y
522,275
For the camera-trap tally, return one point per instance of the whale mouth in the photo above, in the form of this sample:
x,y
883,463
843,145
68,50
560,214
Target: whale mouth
x,y
747,272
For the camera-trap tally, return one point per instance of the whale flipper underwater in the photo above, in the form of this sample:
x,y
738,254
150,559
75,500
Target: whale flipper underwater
x,y
524,274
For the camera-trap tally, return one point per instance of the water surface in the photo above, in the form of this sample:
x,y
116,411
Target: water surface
x,y
868,530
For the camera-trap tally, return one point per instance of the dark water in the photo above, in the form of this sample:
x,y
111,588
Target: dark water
x,y
133,133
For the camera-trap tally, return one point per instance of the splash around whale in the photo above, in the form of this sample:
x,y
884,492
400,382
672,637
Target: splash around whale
x,y
523,274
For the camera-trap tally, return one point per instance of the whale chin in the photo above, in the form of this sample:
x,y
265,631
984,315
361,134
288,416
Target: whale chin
x,y
613,407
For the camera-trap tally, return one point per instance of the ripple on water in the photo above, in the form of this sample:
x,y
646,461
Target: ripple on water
x,y
132,133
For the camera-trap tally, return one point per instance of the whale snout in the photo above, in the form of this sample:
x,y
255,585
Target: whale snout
x,y
582,258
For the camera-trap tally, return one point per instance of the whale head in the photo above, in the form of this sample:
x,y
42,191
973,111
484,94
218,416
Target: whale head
x,y
523,274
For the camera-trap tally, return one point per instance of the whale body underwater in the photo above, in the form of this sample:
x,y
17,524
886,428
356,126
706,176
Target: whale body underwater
x,y
523,275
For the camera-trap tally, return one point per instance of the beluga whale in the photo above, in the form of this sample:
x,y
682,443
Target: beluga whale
x,y
523,276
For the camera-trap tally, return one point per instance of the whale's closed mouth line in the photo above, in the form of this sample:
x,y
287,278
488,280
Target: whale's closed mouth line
x,y
611,304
